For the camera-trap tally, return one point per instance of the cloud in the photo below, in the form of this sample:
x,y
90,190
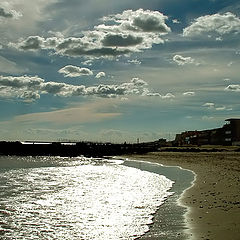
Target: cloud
x,y
21,82
30,88
209,105
134,61
189,94
180,60
233,87
141,21
120,40
100,75
148,93
212,106
32,43
88,62
216,24
168,96
29,96
176,21
74,71
4,13
88,113
220,108
128,32
24,87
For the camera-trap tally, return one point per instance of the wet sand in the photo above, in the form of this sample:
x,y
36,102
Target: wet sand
x,y
213,202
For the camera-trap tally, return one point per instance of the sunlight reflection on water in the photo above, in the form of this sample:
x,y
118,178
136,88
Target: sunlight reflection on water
x,y
77,198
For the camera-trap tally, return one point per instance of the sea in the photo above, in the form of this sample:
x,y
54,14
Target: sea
x,y
78,198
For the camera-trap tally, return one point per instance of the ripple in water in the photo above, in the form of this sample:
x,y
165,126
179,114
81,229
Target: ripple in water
x,y
78,199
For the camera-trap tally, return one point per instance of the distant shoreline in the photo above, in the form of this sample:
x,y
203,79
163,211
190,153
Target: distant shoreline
x,y
213,200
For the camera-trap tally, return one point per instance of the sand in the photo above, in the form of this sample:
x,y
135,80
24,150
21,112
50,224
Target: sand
x,y
213,201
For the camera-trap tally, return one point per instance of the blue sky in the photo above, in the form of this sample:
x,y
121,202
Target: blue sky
x,y
105,70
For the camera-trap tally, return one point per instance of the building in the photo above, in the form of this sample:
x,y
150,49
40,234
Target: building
x,y
233,132
229,134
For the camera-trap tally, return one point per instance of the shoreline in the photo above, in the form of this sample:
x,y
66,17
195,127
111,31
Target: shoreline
x,y
168,220
213,201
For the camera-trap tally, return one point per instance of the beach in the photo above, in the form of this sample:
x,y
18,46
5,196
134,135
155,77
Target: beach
x,y
213,201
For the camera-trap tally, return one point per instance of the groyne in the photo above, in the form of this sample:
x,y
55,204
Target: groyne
x,y
72,149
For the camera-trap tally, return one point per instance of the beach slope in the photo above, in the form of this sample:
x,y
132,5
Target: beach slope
x,y
213,201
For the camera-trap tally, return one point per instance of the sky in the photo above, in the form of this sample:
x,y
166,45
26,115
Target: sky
x,y
105,70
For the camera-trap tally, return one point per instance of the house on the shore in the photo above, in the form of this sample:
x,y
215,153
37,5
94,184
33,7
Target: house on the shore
x,y
229,134
234,130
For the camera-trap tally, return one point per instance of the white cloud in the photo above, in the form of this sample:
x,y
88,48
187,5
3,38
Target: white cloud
x,y
209,105
233,87
88,62
220,108
189,94
100,75
30,88
168,96
216,24
134,61
176,21
180,60
129,32
212,106
219,39
21,82
148,93
74,71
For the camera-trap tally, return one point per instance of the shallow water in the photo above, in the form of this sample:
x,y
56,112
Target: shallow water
x,y
77,198
169,221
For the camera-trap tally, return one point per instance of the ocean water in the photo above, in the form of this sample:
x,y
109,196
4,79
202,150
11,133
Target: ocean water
x,y
77,198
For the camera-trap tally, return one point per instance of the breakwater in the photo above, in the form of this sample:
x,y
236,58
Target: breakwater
x,y
73,149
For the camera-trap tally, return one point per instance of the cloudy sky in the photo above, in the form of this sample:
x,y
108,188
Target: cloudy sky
x,y
105,70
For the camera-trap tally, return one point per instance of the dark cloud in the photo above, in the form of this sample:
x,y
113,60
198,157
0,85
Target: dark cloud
x,y
5,14
95,52
150,24
20,82
29,96
32,43
121,40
